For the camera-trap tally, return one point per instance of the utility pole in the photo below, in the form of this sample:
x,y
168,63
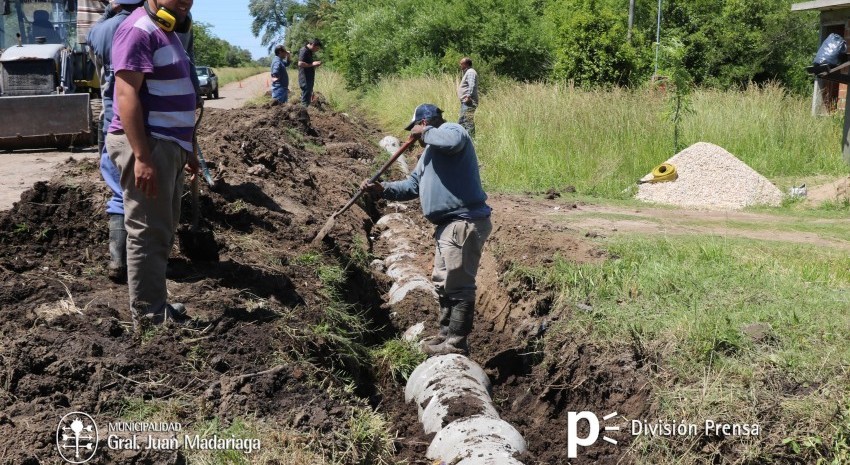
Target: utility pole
x,y
658,38
631,19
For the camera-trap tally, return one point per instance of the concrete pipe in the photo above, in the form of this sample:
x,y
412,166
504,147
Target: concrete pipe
x,y
476,436
438,367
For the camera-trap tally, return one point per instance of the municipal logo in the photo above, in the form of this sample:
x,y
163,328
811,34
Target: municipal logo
x,y
76,437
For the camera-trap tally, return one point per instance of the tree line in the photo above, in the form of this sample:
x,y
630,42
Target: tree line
x,y
213,51
727,43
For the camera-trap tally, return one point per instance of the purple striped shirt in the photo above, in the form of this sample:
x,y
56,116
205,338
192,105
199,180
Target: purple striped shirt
x,y
167,94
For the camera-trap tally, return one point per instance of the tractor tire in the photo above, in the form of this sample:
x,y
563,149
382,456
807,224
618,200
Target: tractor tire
x,y
215,93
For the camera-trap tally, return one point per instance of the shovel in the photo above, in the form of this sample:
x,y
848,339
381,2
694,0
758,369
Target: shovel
x,y
201,161
332,220
198,243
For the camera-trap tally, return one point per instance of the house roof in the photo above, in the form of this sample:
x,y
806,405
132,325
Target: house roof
x,y
820,5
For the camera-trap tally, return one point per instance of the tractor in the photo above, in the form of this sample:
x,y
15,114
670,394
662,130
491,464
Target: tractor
x,y
49,89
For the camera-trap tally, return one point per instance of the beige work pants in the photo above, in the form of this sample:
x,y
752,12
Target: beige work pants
x,y
150,222
459,246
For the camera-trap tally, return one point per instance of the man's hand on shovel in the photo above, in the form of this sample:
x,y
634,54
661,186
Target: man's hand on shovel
x,y
374,189
192,164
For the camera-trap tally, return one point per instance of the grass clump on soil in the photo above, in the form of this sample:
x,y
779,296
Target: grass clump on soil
x,y
343,329
533,137
736,330
396,359
367,438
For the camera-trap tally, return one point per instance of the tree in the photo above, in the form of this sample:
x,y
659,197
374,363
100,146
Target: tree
x,y
589,38
271,19
731,43
681,85
213,51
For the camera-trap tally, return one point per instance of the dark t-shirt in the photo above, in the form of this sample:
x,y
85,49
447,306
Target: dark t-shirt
x,y
306,75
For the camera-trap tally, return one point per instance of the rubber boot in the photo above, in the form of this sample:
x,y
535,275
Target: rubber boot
x,y
460,326
445,317
117,268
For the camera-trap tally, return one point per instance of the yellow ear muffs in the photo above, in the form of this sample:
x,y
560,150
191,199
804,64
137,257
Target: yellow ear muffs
x,y
163,17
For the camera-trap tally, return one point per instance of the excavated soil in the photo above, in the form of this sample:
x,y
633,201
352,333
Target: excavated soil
x,y
66,342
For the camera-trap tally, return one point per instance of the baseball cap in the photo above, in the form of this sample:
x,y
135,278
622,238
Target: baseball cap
x,y
425,111
127,2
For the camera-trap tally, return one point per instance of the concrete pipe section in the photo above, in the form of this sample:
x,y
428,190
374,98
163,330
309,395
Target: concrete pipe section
x,y
451,392
443,385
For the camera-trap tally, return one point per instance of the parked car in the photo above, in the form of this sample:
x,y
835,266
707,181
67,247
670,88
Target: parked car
x,y
208,81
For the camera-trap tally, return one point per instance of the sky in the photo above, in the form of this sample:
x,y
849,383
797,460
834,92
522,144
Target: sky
x,y
230,21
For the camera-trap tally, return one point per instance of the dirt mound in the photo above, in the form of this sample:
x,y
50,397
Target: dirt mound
x,y
65,337
711,178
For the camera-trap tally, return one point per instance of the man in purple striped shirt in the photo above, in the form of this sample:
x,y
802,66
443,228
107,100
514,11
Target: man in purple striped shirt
x,y
150,141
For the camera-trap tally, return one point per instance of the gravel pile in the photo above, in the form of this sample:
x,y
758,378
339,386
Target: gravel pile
x,y
711,178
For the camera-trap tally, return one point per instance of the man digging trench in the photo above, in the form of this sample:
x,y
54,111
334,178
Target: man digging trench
x,y
448,185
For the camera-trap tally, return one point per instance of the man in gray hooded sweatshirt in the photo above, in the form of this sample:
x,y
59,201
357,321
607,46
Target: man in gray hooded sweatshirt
x,y
448,185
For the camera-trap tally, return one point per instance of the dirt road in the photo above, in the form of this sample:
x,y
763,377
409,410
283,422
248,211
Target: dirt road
x,y
20,170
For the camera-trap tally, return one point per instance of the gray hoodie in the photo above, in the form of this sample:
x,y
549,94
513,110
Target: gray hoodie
x,y
446,179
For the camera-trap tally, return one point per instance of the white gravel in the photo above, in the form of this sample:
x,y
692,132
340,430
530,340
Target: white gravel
x,y
710,178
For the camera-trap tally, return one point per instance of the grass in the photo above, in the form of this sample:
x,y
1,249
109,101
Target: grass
x,y
366,438
396,359
532,137
228,75
688,302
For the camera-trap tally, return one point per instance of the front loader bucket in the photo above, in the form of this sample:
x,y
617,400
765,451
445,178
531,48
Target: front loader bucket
x,y
45,121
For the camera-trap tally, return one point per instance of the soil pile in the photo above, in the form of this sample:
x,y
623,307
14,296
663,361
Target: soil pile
x,y
66,341
711,178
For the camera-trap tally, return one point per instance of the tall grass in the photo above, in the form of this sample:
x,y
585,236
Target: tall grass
x,y
539,136
228,75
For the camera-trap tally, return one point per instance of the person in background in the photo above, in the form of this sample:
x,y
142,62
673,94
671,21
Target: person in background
x,y
280,79
307,69
467,92
448,185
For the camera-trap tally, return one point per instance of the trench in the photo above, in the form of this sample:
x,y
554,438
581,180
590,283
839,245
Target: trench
x,y
533,380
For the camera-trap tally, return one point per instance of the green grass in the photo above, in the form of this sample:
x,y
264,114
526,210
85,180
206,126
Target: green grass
x,y
396,359
531,137
228,75
686,302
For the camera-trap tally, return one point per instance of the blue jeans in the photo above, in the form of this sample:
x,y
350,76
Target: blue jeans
x,y
111,174
306,94
280,93
467,118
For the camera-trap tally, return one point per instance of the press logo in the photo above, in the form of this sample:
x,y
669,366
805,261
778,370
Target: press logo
x,y
76,437
573,439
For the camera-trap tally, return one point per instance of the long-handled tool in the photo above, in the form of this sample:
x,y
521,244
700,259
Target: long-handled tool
x,y
201,159
196,242
332,220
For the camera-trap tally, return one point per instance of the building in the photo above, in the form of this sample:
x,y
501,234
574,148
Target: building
x,y
830,92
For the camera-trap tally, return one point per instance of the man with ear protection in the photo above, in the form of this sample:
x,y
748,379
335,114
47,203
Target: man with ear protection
x,y
100,42
150,141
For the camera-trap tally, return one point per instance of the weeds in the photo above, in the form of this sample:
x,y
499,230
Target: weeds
x,y
396,359
548,135
367,438
309,259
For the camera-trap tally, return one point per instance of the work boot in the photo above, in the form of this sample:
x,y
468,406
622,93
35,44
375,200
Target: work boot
x,y
445,316
144,318
117,267
460,325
